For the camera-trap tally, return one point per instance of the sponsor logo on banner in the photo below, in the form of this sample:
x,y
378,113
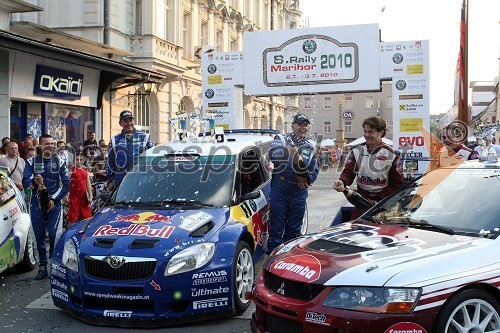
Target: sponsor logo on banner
x,y
411,141
302,268
210,303
209,277
117,314
59,294
412,96
411,124
406,327
314,317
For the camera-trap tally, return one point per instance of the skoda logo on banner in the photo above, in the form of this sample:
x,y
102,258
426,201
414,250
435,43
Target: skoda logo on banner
x,y
57,83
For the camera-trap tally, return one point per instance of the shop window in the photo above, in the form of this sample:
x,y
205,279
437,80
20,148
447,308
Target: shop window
x,y
69,123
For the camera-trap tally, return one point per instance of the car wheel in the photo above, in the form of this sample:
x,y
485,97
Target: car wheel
x,y
243,276
470,311
305,223
29,261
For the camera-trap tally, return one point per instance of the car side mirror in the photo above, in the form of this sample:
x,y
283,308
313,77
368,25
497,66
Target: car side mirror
x,y
251,195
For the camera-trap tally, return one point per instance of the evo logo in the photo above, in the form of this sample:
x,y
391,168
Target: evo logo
x,y
57,83
210,303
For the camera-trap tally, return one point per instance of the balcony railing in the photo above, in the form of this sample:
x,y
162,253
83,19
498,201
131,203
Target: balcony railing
x,y
149,46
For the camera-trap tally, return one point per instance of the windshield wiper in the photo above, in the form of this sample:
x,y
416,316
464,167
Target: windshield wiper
x,y
140,203
422,224
185,202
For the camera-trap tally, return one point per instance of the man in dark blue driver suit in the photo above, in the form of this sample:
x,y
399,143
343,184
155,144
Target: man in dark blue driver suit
x,y
45,210
295,169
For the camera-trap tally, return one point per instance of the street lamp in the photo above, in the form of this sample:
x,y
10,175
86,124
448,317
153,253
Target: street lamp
x,y
148,88
340,141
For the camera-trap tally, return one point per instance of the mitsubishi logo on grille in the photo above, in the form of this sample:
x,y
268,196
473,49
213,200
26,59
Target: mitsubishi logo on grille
x,y
281,289
115,261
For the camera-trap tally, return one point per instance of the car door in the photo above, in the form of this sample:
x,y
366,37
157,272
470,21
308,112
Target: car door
x,y
9,214
254,189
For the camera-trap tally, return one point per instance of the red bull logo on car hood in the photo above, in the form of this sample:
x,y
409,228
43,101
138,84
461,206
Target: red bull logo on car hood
x,y
138,226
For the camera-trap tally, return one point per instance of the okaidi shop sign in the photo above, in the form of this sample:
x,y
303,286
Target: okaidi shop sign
x,y
330,59
53,82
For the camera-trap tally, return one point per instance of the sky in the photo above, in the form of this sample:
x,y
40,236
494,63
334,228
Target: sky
x,y
435,20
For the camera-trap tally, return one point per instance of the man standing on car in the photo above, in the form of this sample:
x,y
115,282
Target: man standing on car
x,y
124,149
295,169
373,164
46,171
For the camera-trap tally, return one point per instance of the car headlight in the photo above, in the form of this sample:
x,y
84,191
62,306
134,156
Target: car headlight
x,y
191,258
373,299
70,256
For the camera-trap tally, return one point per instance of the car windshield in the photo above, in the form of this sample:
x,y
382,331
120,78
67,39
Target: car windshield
x,y
179,180
462,200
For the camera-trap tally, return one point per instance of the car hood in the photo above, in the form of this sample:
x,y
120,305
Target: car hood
x,y
129,232
377,255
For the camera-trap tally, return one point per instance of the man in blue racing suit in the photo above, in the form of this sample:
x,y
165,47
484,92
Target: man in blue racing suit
x,y
295,169
46,214
124,149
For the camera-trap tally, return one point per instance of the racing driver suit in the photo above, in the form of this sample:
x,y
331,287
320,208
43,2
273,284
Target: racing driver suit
x,y
122,152
55,178
378,172
288,201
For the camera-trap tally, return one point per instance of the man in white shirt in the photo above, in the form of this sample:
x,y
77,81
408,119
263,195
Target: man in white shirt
x,y
488,143
14,163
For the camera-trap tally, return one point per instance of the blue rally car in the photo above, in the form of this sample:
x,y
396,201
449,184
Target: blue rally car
x,y
177,241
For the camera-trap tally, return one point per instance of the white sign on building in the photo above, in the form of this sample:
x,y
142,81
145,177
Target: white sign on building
x,y
329,59
407,64
221,73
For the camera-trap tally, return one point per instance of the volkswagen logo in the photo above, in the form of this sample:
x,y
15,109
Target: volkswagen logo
x,y
115,261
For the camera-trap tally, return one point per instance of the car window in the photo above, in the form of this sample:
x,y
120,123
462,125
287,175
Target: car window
x,y
251,174
207,180
463,200
7,191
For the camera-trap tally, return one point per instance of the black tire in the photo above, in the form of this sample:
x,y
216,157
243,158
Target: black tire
x,y
29,261
243,275
467,303
305,223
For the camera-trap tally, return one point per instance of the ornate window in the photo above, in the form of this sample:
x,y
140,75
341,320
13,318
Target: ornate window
x,y
140,109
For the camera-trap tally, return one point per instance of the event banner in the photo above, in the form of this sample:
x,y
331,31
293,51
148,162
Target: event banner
x,y
329,59
407,64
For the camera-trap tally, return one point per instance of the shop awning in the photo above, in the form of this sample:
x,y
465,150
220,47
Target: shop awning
x,y
19,43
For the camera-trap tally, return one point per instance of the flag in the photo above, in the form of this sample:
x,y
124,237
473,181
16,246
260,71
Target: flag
x,y
461,70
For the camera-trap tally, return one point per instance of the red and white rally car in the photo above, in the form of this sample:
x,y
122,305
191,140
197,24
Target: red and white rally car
x,y
426,259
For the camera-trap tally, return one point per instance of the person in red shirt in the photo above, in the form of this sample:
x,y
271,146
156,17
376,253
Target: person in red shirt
x,y
80,193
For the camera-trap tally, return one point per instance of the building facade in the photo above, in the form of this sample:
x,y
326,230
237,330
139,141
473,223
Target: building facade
x,y
159,43
330,112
